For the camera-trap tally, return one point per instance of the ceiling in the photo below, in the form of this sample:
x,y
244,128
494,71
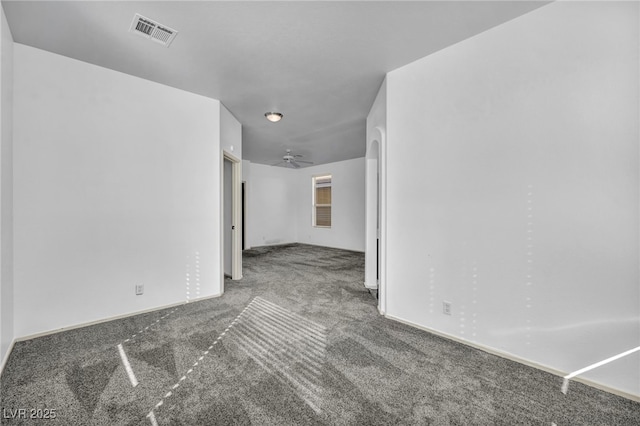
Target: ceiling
x,y
319,63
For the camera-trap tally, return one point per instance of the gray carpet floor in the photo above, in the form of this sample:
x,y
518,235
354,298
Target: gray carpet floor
x,y
298,341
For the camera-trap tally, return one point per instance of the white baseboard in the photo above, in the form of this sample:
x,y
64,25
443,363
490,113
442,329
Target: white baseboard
x,y
304,243
100,321
517,359
5,357
273,245
320,245
370,288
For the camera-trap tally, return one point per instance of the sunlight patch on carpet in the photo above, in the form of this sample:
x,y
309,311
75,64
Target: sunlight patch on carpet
x,y
285,344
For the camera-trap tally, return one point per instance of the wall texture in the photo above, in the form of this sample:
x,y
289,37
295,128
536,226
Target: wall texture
x,y
117,183
513,189
6,188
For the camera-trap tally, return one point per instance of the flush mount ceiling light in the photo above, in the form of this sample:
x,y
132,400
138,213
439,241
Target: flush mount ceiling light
x,y
273,117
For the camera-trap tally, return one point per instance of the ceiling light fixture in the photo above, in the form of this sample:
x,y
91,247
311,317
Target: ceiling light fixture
x,y
273,117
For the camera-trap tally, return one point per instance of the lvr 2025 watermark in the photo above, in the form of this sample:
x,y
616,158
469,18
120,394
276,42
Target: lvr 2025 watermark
x,y
29,413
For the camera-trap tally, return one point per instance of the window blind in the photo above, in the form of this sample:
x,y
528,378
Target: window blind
x,y
322,201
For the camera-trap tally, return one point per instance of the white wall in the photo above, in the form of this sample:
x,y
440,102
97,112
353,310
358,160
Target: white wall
x,y
230,133
377,117
273,201
513,189
347,205
6,188
246,169
117,182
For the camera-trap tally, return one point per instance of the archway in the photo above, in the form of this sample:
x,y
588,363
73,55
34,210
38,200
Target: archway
x,y
374,218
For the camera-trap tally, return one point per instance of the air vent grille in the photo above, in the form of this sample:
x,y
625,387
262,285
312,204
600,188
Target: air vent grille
x,y
152,30
144,26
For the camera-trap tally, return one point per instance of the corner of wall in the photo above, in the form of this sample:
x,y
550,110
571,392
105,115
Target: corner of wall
x,y
6,191
230,133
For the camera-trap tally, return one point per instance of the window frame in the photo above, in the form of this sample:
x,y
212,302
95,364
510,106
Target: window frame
x,y
315,205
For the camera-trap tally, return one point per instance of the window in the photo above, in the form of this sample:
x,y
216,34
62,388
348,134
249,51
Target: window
x,y
322,201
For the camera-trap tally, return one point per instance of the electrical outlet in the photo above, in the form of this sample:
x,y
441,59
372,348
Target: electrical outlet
x,y
139,289
446,308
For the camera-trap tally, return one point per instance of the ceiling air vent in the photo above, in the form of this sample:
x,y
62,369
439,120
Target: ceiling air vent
x,y
150,29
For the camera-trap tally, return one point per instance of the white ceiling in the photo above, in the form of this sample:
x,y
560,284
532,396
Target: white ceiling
x,y
319,63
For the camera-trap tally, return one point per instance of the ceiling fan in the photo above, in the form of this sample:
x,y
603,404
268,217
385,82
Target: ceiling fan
x,y
291,160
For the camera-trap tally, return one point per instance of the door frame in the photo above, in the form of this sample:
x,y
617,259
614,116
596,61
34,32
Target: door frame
x,y
236,216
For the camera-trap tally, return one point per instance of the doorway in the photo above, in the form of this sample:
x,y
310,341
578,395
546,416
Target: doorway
x,y
231,244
